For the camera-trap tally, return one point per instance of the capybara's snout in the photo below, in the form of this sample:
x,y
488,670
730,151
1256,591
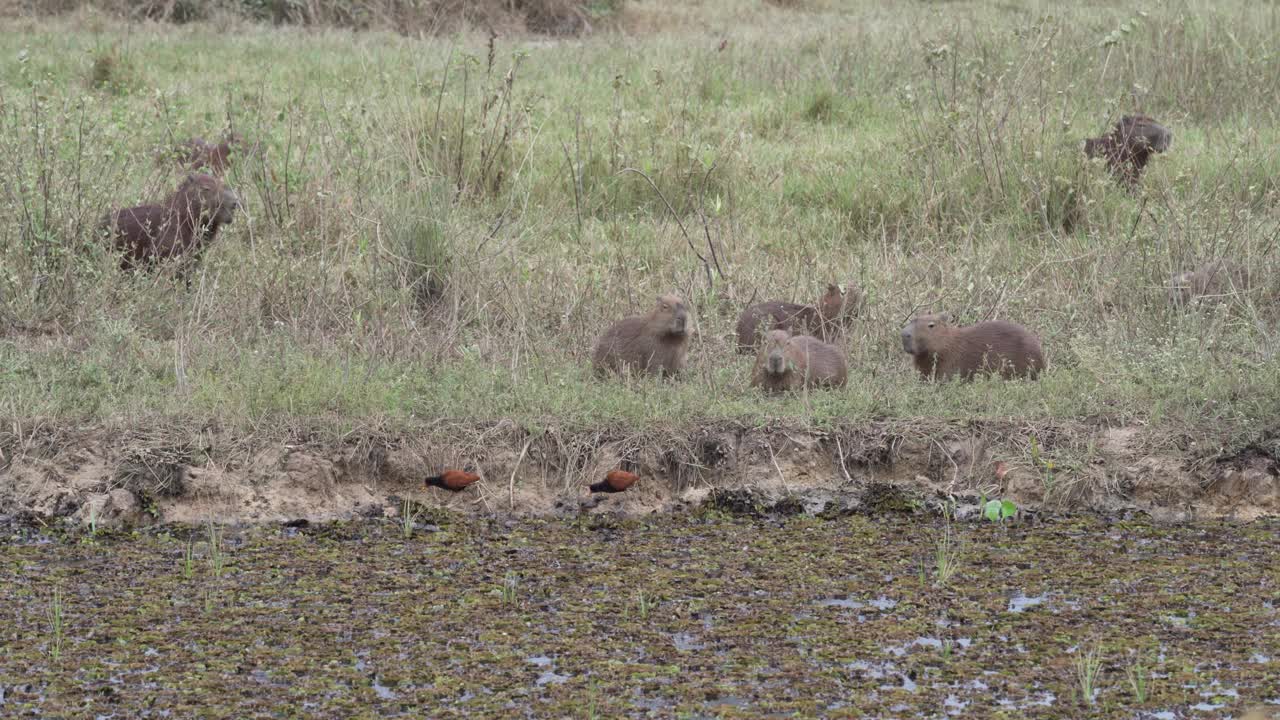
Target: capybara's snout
x,y
679,320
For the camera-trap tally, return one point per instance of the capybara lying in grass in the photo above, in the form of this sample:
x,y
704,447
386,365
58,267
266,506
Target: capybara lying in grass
x,y
181,227
823,319
656,343
1211,281
1129,146
944,351
791,362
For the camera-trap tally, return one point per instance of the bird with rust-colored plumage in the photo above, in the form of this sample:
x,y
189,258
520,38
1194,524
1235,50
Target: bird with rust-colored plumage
x,y
615,481
452,480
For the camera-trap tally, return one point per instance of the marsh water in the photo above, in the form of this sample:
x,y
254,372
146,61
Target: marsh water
x,y
687,615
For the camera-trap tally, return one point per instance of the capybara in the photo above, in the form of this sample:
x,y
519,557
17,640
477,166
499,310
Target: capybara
x,y
944,351
656,343
1129,145
1213,280
790,362
200,155
180,228
615,481
823,319
452,480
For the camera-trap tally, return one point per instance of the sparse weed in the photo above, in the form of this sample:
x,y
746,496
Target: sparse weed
x,y
217,560
189,559
508,590
409,512
55,614
1088,665
947,557
1138,673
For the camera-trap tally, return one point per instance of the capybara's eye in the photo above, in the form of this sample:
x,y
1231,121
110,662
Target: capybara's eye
x,y
932,324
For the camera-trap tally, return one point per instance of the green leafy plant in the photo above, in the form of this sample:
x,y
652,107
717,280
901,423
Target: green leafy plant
x,y
999,510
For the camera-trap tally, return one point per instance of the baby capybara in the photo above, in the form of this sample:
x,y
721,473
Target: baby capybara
x,y
824,319
790,362
180,228
197,154
944,351
1129,145
1212,280
656,343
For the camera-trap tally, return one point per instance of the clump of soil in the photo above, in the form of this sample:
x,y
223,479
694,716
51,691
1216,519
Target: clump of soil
x,y
160,476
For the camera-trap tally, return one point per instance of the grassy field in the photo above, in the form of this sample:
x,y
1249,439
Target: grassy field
x,y
440,227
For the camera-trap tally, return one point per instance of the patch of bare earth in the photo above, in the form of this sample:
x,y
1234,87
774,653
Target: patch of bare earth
x,y
128,477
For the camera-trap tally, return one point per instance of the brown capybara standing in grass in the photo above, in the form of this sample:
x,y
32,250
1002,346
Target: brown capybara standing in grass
x,y
197,154
1129,146
1212,281
180,228
944,351
790,362
656,343
824,319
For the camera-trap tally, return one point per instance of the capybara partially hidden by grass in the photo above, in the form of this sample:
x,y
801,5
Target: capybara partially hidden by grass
x,y
1211,281
944,351
791,362
823,319
181,227
199,154
656,343
1129,146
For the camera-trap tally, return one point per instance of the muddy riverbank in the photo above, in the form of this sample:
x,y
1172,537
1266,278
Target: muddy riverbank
x,y
700,614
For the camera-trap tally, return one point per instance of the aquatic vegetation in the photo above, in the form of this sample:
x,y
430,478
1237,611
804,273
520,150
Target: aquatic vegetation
x,y
696,615
1087,664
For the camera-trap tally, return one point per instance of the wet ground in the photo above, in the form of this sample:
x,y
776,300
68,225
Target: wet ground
x,y
699,615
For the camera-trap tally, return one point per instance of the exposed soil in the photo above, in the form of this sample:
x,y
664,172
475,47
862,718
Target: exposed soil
x,y
694,615
137,477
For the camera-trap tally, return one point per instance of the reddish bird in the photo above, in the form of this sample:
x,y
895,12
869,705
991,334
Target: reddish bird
x,y
453,480
615,481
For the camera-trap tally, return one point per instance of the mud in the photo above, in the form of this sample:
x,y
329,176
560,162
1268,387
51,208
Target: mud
x,y
138,477
701,615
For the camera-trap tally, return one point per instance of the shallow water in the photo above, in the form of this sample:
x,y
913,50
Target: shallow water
x,y
693,615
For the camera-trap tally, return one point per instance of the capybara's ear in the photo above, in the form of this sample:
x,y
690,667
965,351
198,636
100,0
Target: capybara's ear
x,y
948,318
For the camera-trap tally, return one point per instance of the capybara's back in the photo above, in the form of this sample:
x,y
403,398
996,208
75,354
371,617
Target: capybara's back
x,y
944,351
824,365
1212,281
760,318
656,343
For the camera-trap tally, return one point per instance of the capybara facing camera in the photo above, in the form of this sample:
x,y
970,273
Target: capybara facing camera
x,y
791,362
1129,146
181,227
656,343
944,351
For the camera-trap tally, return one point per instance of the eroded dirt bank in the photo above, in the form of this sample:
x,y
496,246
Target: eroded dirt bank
x,y
143,476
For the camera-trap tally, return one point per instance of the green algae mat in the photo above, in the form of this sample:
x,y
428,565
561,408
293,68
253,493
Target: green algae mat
x,y
697,615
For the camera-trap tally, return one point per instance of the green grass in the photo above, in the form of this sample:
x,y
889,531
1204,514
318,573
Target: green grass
x,y
434,234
